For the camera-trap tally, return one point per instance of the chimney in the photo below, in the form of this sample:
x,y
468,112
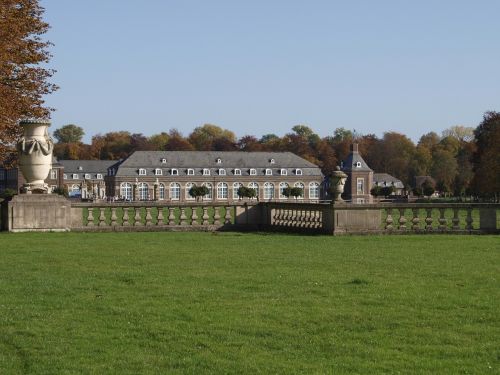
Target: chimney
x,y
354,148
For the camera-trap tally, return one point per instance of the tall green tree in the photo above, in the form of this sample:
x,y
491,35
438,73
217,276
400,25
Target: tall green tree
x,y
24,78
70,133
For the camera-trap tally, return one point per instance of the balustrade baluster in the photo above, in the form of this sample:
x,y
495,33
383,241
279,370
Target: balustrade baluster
x,y
205,215
469,220
183,216
307,219
416,220
90,217
442,220
227,217
102,217
149,218
137,217
160,216
194,216
113,216
389,220
428,219
171,216
125,217
455,221
402,219
216,215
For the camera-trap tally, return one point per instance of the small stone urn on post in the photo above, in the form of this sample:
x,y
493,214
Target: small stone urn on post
x,y
35,155
337,182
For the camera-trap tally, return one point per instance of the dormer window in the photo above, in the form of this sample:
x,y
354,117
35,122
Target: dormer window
x,y
219,161
253,172
298,172
75,176
87,176
163,161
237,172
222,172
358,164
269,172
174,172
99,176
158,172
65,176
190,172
80,168
206,172
283,172
142,172
271,161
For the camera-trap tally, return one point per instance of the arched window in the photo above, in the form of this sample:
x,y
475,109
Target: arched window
x,y
209,186
221,190
236,186
143,191
161,192
255,186
126,190
188,187
175,191
283,186
268,190
313,190
300,185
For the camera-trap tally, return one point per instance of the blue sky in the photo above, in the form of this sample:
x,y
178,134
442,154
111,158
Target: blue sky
x,y
258,67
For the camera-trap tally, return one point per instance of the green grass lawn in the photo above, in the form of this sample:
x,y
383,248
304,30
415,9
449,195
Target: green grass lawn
x,y
168,303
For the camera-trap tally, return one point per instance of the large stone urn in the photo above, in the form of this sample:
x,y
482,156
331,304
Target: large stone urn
x,y
35,155
337,183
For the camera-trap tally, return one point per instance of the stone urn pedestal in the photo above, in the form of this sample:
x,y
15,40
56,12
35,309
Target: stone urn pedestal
x,y
35,156
337,183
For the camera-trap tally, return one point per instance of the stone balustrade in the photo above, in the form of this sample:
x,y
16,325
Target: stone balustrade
x,y
55,213
151,216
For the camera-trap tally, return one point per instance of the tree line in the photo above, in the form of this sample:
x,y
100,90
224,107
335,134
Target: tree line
x,y
462,160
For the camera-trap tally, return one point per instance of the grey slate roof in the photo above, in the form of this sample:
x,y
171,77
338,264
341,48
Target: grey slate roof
x,y
92,167
385,179
350,164
230,160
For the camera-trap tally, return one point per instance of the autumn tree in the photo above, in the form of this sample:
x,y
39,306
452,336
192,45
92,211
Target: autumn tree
x,y
208,136
23,80
177,142
70,133
486,158
159,141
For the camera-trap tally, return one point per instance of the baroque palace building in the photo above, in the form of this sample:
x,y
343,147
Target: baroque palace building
x,y
169,175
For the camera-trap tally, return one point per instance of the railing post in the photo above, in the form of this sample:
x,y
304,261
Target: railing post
x,y
205,215
171,216
102,217
428,220
216,215
149,218
227,216
113,216
125,216
137,217
194,216
90,217
442,220
389,220
183,216
469,220
402,219
160,216
416,220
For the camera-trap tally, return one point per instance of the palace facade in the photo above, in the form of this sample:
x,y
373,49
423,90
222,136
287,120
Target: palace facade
x,y
169,175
